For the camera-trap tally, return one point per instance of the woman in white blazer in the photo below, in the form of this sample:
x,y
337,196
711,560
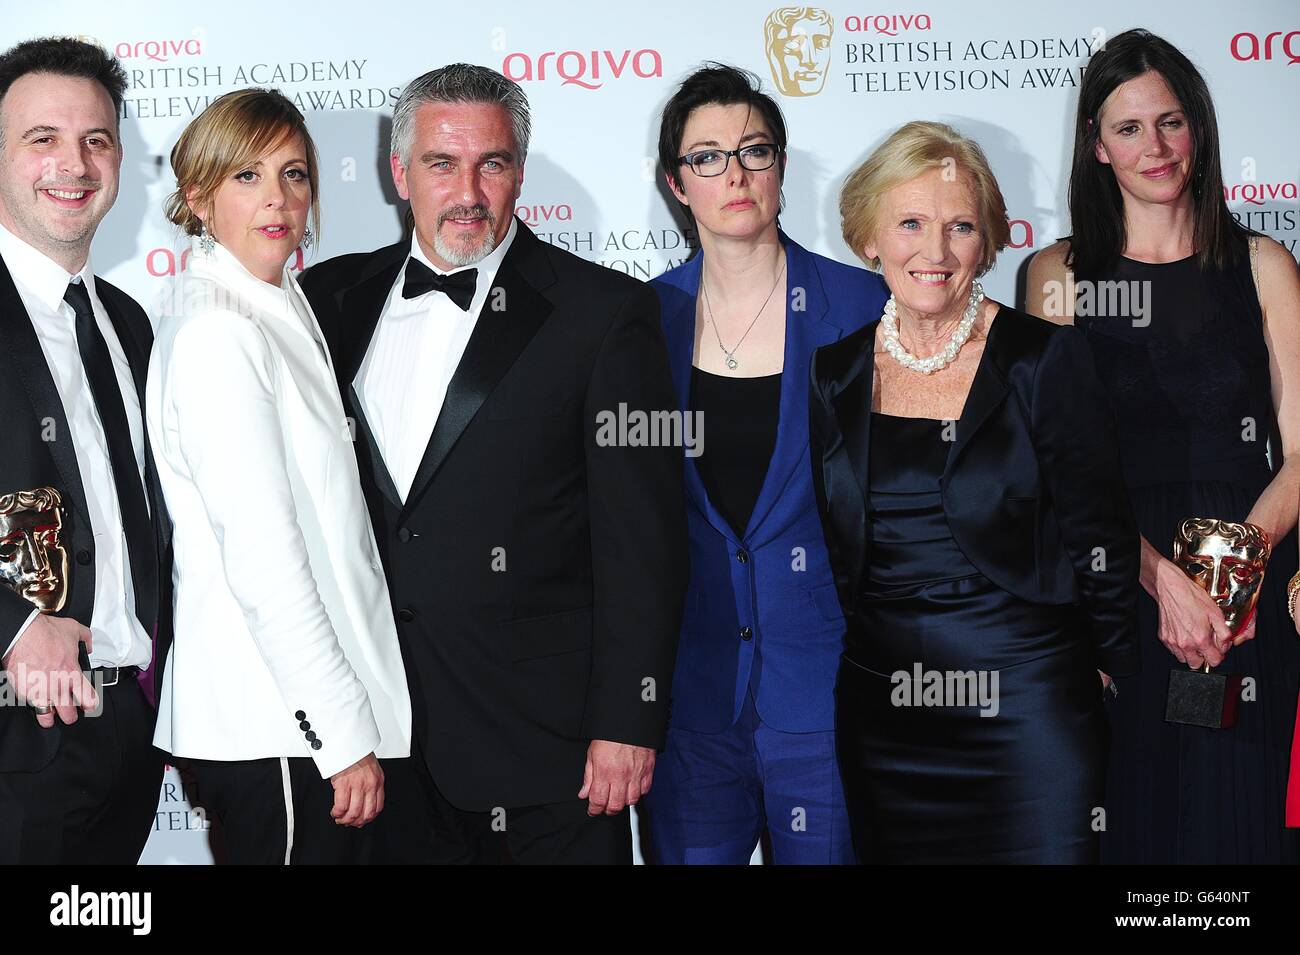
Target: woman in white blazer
x,y
285,680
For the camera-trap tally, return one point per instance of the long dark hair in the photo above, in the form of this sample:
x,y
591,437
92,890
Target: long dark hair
x,y
1096,207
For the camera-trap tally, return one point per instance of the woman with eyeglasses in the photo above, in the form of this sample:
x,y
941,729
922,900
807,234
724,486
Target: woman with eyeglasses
x,y
751,745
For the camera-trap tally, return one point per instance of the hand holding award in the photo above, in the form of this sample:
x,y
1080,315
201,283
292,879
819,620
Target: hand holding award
x,y
43,666
1228,560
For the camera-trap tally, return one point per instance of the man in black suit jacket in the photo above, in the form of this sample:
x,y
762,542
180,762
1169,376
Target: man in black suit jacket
x,y
535,552
79,776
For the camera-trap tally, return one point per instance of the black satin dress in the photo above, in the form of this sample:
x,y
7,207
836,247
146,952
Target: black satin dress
x,y
946,783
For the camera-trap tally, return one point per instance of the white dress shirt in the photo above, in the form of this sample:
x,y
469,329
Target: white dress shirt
x,y
285,640
118,637
412,357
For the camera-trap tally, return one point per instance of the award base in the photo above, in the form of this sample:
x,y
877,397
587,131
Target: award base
x,y
1197,698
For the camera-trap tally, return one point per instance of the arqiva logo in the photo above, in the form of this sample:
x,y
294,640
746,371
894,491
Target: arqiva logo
x,y
1257,193
1247,46
587,69
538,214
1021,235
888,24
162,262
159,50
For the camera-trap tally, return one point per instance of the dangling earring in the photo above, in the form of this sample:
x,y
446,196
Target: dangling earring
x,y
308,237
206,243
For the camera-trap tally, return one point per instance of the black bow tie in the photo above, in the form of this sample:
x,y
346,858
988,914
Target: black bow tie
x,y
458,286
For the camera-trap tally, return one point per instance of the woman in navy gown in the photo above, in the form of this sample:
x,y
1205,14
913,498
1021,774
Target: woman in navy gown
x,y
967,474
1203,371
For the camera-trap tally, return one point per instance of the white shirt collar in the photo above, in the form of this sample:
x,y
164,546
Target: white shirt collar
x,y
222,265
487,265
38,273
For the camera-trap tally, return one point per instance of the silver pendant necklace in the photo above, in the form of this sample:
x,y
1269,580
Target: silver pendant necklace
x,y
731,362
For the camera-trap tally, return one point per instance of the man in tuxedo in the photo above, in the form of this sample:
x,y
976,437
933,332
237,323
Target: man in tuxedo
x,y
537,563
79,777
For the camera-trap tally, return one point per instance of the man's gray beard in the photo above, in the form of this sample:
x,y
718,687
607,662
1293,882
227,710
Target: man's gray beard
x,y
458,255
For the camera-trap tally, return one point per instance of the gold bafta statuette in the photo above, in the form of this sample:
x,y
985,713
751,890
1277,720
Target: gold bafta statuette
x,y
798,45
33,561
1228,560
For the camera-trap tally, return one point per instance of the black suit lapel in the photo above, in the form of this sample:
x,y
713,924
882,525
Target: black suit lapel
x,y
18,338
136,351
368,448
360,309
846,479
137,359
987,391
852,406
499,335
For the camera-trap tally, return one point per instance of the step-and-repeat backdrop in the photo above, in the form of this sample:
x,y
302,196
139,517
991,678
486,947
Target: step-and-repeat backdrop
x,y
597,75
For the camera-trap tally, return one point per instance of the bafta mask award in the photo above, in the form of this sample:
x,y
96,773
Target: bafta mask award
x,y
33,562
1228,560
798,43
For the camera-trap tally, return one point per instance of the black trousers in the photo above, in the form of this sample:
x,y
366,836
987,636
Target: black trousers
x,y
273,811
420,827
94,803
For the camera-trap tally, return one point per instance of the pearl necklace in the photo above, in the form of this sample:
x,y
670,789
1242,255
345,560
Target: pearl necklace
x,y
945,357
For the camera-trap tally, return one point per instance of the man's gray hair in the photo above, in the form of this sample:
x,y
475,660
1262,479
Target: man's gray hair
x,y
460,83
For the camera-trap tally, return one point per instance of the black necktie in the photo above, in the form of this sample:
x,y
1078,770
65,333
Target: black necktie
x,y
458,286
141,545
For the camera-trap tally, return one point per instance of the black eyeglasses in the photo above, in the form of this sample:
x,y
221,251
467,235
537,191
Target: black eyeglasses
x,y
713,162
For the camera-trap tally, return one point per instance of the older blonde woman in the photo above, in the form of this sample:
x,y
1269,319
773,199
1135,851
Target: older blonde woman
x,y
983,546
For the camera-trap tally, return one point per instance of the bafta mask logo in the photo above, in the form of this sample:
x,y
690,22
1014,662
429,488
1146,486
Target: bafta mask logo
x,y
798,41
1228,560
33,562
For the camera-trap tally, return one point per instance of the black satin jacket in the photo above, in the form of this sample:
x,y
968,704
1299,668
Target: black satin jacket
x,y
1033,490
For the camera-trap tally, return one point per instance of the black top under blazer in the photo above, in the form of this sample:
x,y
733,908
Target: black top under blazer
x,y
1033,491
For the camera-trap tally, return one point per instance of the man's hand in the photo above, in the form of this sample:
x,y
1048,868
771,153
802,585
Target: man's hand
x,y
44,670
358,792
616,776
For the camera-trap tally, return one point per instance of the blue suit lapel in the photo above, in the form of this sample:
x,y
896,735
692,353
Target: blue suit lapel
x,y
679,333
806,329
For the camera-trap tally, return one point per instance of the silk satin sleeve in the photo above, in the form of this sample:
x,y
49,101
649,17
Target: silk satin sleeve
x,y
841,513
1073,431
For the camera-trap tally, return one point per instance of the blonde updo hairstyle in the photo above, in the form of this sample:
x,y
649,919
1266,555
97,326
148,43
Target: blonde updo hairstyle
x,y
913,150
234,131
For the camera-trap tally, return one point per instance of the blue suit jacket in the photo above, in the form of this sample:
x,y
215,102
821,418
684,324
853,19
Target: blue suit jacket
x,y
775,579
